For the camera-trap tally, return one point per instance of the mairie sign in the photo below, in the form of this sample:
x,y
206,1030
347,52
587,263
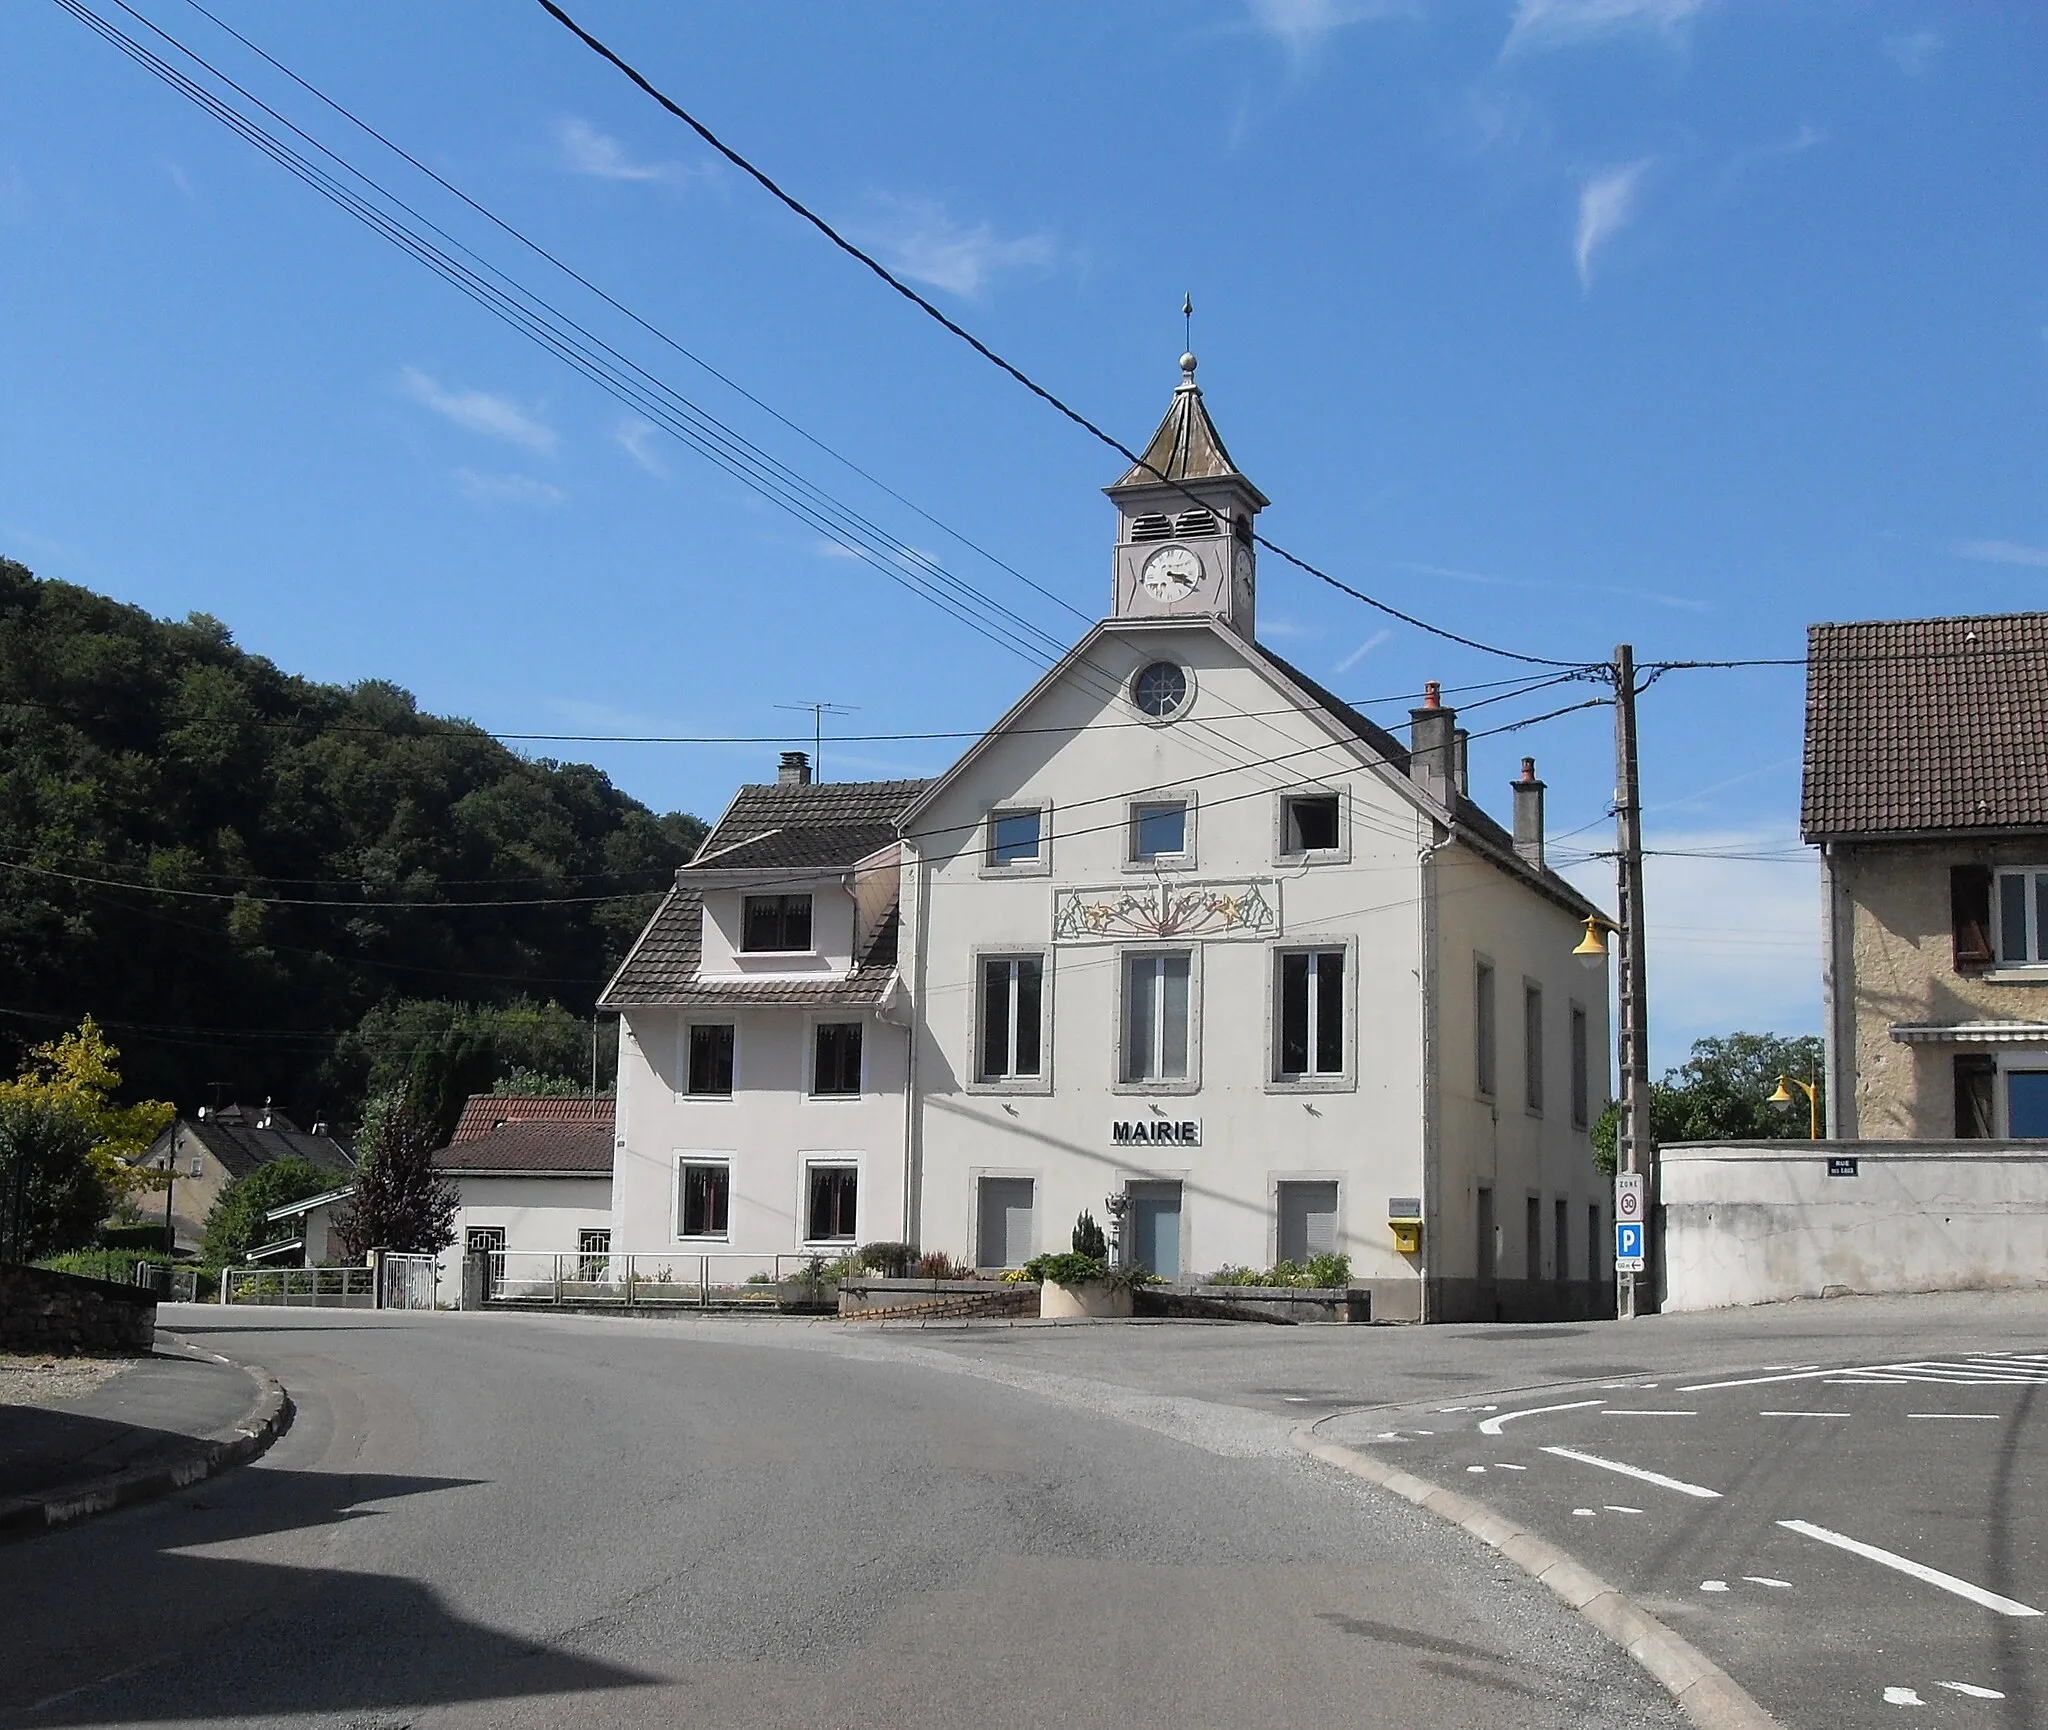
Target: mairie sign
x,y
1155,1132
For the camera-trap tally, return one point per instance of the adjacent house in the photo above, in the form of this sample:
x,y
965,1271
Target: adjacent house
x,y
215,1145
533,1177
1184,930
1927,794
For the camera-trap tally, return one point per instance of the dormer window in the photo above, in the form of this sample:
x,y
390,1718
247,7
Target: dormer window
x,y
1199,522
1152,528
771,923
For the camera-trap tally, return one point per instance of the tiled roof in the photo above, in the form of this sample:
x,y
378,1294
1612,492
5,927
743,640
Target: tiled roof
x,y
1187,446
484,1112
533,1147
1917,725
821,823
241,1148
662,968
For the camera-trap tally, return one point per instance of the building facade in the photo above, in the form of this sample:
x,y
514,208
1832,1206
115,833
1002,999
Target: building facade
x,y
210,1149
1926,791
1183,932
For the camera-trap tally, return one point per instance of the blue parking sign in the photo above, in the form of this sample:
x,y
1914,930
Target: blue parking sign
x,y
1628,1246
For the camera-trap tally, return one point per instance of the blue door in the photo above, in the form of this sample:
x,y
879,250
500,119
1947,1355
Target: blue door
x,y
1155,1228
2026,1102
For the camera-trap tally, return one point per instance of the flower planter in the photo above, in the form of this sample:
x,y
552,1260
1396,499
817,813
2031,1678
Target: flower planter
x,y
1094,1298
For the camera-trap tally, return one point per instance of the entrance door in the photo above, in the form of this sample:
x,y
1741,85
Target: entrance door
x,y
1155,1228
1005,1222
487,1240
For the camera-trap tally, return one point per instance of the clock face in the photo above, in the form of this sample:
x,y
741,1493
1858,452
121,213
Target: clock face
x,y
1171,573
1243,566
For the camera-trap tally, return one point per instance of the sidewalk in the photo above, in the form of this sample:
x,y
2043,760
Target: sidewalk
x,y
166,1419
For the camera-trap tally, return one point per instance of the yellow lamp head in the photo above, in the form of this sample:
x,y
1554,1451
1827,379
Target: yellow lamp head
x,y
1783,1096
1592,949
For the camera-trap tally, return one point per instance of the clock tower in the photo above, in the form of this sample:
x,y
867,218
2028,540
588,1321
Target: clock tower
x,y
1184,523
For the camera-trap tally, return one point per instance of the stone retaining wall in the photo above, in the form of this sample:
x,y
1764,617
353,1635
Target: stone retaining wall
x,y
63,1314
935,1299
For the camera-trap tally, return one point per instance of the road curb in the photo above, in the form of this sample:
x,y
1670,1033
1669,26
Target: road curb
x,y
1706,1693
267,1418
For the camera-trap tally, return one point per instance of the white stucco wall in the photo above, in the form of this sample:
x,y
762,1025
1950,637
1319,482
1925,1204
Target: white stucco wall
x,y
770,1129
538,1214
1761,1222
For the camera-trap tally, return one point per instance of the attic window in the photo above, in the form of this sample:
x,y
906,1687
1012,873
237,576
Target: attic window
x,y
1196,523
1152,528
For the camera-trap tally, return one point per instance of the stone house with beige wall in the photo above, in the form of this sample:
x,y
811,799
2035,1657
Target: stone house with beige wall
x,y
1926,791
210,1149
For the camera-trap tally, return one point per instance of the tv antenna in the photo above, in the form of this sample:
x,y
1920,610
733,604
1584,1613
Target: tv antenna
x,y
817,713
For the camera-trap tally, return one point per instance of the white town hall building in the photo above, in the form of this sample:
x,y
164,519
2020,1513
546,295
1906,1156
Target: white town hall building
x,y
1183,928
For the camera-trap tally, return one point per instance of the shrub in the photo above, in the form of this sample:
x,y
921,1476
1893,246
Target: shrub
x,y
151,1239
888,1260
937,1264
235,1224
1321,1271
1088,1238
52,1194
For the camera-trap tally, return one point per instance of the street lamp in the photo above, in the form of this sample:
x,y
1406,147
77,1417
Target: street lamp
x,y
1783,1096
1592,949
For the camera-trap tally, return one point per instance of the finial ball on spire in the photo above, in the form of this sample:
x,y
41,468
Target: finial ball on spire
x,y
1187,365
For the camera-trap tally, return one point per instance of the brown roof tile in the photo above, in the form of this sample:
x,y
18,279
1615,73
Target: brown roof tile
x,y
1923,725
822,823
533,1147
484,1112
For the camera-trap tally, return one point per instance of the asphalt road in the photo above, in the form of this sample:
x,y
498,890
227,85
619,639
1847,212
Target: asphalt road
x,y
485,1520
1909,1427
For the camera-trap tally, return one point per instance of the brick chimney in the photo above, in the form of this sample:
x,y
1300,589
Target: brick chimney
x,y
1431,744
1529,814
795,770
1461,761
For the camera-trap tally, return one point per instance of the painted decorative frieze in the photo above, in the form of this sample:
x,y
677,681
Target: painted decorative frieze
x,y
1138,912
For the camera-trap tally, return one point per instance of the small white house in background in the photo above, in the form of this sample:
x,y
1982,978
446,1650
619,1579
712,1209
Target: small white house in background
x,y
532,1175
763,1046
301,1233
1183,928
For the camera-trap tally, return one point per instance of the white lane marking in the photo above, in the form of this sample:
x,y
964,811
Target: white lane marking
x,y
1640,1412
1802,1414
1475,1468
1297,1399
1584,1514
1492,1425
1902,1697
1918,1570
1971,1691
1440,1410
1503,1466
1619,1508
1987,1417
1628,1471
1798,1375
1713,1585
1766,1580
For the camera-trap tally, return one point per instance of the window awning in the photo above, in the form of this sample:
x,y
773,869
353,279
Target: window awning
x,y
1970,1032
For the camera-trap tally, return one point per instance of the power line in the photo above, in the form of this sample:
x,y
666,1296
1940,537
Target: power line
x,y
981,348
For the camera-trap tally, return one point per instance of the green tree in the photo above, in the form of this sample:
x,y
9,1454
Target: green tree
x,y
75,1077
1722,1093
235,1224
524,1083
401,1202
51,1197
321,837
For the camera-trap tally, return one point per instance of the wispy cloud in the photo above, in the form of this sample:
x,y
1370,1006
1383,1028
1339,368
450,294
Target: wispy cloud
x,y
919,238
1913,51
636,438
2003,553
836,550
180,179
585,150
1545,24
1302,26
1284,629
1365,648
478,411
1492,579
507,489
1808,137
1606,203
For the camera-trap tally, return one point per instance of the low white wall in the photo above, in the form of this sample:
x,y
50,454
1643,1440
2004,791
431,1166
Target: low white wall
x,y
537,1213
1758,1222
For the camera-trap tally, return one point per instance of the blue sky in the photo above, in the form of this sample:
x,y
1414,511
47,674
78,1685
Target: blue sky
x,y
1560,322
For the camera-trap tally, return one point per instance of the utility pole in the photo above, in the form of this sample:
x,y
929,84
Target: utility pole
x,y
1635,1143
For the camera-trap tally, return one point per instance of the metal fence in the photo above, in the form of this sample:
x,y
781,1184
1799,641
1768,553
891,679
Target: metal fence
x,y
717,1280
407,1282
177,1285
353,1288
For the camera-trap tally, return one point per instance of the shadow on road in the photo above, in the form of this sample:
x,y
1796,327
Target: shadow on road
x,y
221,1636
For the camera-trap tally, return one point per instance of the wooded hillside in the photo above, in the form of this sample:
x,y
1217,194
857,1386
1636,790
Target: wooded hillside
x,y
228,865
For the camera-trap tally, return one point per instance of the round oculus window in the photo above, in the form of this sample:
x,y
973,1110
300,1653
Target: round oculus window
x,y
1160,690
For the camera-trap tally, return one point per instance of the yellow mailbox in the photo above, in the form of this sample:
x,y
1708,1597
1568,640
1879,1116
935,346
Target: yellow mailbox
x,y
1404,1220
